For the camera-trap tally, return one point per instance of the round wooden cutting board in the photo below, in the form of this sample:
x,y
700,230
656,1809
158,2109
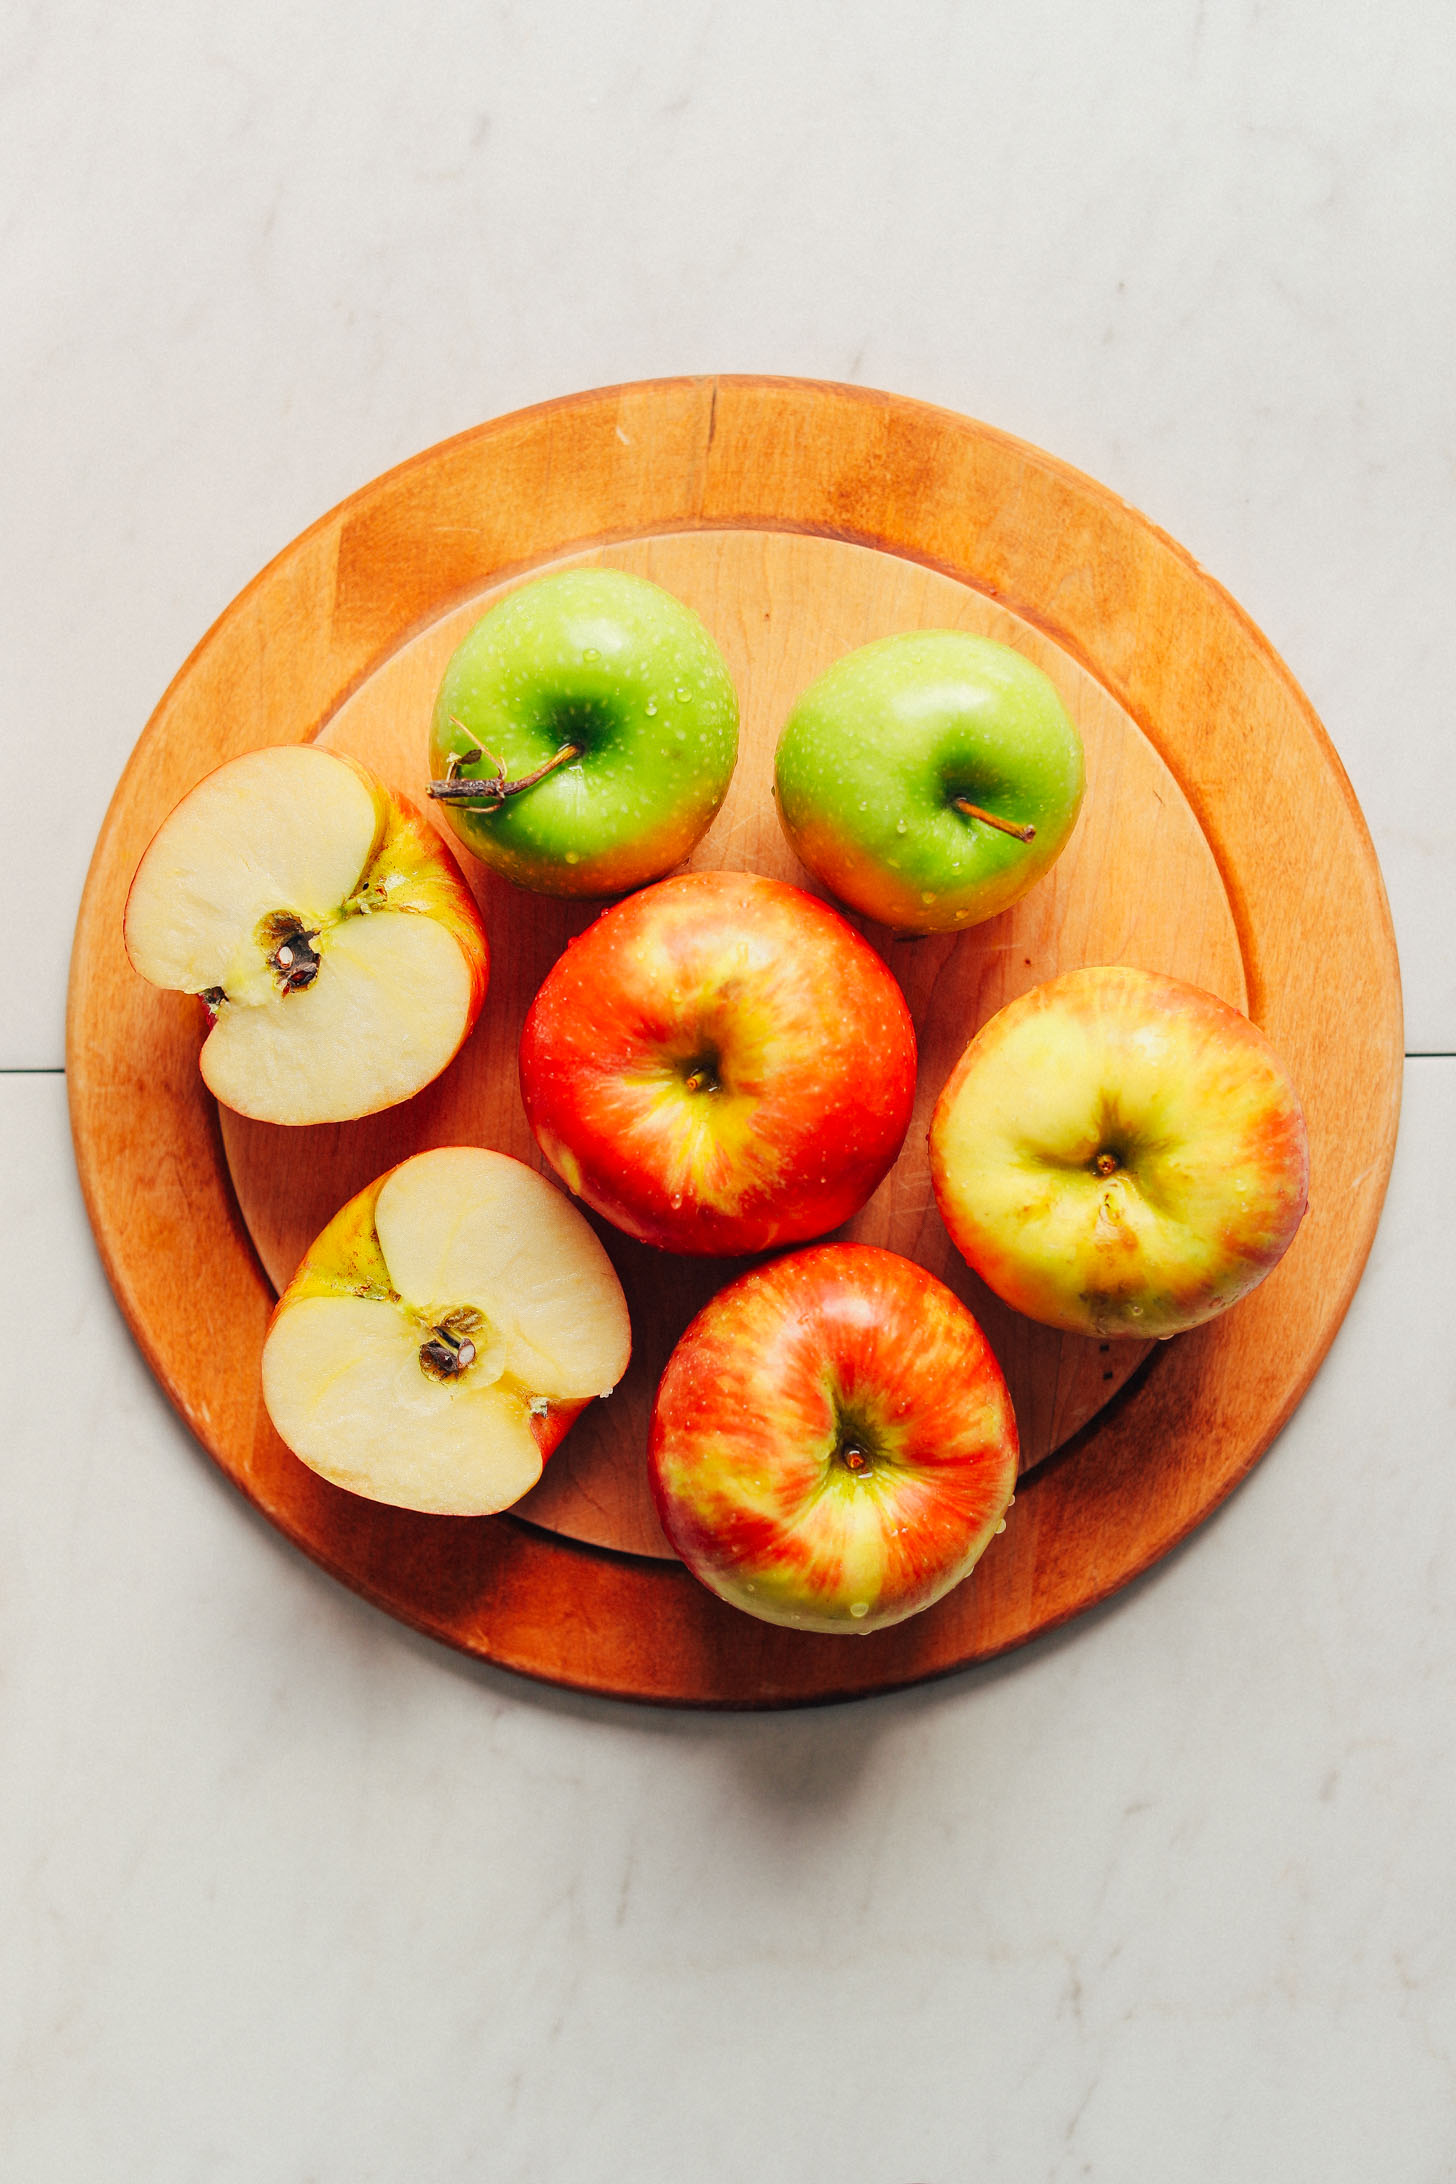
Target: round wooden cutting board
x,y
1219,841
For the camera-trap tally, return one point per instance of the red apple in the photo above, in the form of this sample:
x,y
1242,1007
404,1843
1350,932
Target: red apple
x,y
1118,1153
833,1446
720,1064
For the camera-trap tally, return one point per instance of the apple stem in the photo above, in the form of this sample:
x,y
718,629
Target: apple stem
x,y
990,819
489,795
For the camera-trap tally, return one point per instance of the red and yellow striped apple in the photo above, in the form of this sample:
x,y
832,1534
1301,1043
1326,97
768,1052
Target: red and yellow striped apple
x,y
325,925
720,1064
833,1446
1118,1153
443,1332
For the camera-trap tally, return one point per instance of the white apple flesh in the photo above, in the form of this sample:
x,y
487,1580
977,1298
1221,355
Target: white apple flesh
x,y
442,1333
325,925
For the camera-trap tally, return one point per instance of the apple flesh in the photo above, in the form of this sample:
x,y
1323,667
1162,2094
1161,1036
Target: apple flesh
x,y
442,1333
1118,1153
585,733
720,1064
327,928
929,779
833,1446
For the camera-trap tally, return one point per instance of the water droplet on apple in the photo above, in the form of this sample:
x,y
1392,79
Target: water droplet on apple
x,y
927,899
573,857
651,705
859,1607
591,653
901,825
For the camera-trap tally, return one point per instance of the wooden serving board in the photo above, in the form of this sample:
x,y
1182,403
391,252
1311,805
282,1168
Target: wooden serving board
x,y
1219,841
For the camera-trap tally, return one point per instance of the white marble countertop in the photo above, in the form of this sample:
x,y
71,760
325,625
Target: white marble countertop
x,y
292,1895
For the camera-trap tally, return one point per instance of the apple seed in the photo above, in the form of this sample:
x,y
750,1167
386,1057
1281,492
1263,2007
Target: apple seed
x,y
447,1351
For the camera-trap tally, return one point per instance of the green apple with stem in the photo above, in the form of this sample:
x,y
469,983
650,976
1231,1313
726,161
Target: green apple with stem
x,y
584,734
929,779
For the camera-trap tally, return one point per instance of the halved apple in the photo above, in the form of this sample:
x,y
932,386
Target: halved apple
x,y
442,1334
327,928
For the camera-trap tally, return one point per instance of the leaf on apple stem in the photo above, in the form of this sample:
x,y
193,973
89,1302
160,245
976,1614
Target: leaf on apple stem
x,y
490,794
990,819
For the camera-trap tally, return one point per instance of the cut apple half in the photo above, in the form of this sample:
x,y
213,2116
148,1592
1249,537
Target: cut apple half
x,y
442,1333
326,927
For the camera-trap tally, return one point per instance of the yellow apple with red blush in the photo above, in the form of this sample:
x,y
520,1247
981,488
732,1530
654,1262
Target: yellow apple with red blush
x,y
1119,1153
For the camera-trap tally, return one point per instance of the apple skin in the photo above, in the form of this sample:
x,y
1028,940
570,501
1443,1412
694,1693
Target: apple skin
x,y
840,1351
719,1065
413,870
1118,1153
874,753
611,660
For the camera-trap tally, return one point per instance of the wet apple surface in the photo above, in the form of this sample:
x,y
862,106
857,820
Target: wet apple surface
x,y
720,1065
930,778
833,1446
584,733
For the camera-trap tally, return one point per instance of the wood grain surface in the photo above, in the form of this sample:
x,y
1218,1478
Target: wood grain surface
x,y
1220,841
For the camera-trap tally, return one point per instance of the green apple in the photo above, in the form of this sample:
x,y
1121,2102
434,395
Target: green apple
x,y
929,779
585,734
